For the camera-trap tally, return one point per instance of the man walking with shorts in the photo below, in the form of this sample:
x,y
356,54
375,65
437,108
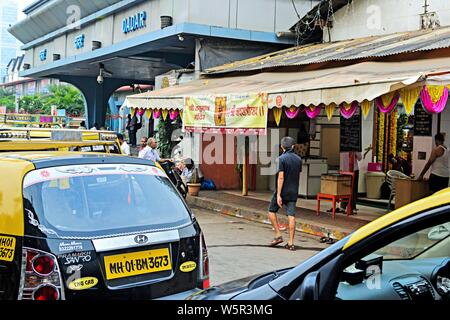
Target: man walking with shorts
x,y
286,191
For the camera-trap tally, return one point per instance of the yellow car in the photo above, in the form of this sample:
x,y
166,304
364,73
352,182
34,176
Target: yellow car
x,y
34,139
89,226
404,255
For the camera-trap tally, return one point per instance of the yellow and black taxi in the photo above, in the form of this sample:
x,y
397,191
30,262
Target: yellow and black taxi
x,y
404,255
79,225
48,139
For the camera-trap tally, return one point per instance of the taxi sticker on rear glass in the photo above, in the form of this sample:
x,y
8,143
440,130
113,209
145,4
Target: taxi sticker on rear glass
x,y
7,247
83,283
188,266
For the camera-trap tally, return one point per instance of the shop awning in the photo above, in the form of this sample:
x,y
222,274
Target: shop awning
x,y
357,82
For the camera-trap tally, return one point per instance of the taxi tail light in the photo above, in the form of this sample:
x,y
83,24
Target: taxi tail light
x,y
204,264
40,276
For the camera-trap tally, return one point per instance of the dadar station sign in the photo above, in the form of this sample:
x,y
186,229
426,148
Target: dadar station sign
x,y
133,23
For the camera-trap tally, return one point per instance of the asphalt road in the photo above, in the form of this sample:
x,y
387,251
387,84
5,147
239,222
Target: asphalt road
x,y
238,248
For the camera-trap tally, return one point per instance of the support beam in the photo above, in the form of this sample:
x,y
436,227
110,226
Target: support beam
x,y
97,95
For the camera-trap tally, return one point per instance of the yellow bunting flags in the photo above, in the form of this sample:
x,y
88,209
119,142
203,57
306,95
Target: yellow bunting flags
x,y
365,107
148,113
330,110
164,112
132,112
387,98
277,115
435,92
181,114
409,98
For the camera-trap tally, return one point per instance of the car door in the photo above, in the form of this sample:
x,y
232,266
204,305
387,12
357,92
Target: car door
x,y
408,252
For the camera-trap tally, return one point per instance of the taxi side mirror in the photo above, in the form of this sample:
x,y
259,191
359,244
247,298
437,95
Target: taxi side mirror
x,y
309,289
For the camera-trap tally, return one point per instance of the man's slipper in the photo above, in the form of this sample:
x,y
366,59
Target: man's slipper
x,y
276,241
290,247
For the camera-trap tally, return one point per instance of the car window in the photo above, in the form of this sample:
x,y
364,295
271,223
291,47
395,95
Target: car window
x,y
416,244
102,199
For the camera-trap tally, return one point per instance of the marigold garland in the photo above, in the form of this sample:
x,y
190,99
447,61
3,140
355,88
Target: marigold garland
x,y
393,133
381,117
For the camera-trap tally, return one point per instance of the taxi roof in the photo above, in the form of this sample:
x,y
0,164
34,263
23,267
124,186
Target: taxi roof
x,y
26,145
61,134
436,200
46,159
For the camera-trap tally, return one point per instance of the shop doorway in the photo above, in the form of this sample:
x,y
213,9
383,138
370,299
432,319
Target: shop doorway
x,y
395,133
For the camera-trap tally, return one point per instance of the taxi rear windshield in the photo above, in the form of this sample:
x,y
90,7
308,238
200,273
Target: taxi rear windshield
x,y
96,200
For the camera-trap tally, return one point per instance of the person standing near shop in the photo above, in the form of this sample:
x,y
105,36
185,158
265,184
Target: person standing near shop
x,y
133,126
439,164
286,191
151,153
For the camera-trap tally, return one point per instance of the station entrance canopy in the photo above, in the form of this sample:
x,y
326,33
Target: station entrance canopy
x,y
358,82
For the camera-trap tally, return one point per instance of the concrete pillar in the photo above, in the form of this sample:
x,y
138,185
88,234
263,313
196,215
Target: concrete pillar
x,y
97,95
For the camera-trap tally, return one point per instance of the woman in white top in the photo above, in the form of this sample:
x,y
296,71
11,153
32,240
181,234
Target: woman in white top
x,y
439,163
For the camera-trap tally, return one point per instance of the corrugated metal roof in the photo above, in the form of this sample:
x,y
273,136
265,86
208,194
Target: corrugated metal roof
x,y
360,48
359,81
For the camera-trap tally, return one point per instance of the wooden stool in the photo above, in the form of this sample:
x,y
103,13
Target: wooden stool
x,y
334,198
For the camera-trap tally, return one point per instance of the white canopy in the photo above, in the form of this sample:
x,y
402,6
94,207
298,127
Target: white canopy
x,y
361,81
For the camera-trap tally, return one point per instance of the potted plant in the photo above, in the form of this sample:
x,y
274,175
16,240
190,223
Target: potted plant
x,y
194,184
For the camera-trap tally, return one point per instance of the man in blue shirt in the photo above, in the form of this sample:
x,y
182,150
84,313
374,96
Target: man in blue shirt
x,y
286,190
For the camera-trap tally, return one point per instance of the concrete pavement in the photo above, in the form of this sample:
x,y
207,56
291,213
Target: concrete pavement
x,y
238,248
254,208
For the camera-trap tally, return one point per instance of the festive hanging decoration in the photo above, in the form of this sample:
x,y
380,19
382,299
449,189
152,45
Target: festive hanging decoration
x,y
434,98
380,140
156,113
292,112
365,107
165,112
173,114
348,110
313,111
140,112
386,103
277,115
393,133
148,113
132,112
409,98
181,114
330,110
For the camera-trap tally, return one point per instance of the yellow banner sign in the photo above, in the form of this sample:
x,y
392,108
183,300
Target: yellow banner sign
x,y
235,114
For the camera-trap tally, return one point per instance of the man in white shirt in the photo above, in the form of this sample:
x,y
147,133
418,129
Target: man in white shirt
x,y
123,144
150,152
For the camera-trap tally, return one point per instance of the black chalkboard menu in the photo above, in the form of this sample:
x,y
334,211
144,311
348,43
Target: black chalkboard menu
x,y
351,133
423,121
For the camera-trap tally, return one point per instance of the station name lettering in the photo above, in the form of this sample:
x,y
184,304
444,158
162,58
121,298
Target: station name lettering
x,y
136,22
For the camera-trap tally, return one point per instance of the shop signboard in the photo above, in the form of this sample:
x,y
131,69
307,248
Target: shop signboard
x,y
423,121
350,132
231,114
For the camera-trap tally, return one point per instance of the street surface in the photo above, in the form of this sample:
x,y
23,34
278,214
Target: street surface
x,y
238,248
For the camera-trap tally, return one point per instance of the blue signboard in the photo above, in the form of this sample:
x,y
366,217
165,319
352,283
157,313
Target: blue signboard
x,y
79,41
136,22
43,55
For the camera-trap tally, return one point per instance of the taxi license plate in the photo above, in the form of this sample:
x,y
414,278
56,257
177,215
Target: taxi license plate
x,y
137,263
